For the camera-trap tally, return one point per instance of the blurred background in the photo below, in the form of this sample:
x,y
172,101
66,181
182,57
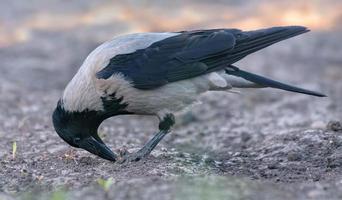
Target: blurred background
x,y
51,31
267,136
21,21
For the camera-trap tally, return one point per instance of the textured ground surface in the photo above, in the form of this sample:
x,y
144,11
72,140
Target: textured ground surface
x,y
261,144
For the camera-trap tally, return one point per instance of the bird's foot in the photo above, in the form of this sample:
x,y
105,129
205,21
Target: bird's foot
x,y
122,151
127,157
164,127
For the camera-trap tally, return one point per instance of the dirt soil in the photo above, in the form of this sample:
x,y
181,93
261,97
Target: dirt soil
x,y
260,144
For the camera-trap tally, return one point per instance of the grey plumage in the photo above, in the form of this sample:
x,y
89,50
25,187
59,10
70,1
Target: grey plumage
x,y
159,74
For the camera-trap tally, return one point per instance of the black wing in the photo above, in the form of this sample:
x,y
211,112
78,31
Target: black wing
x,y
191,54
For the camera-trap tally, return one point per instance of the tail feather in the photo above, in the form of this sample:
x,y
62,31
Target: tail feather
x,y
248,42
251,41
266,82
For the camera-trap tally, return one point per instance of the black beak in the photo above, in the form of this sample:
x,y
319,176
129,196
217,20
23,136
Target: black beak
x,y
98,148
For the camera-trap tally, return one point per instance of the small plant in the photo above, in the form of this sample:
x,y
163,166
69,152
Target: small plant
x,y
58,195
105,184
14,149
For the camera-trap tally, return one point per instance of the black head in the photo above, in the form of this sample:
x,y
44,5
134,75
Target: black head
x,y
79,129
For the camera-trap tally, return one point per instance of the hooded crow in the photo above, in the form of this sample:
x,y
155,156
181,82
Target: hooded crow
x,y
158,74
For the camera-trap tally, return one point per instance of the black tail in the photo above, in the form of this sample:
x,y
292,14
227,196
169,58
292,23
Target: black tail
x,y
251,41
265,82
248,42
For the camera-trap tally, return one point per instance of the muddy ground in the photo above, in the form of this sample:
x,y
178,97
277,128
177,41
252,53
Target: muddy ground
x,y
260,144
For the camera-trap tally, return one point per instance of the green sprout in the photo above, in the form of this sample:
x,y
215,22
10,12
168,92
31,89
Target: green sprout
x,y
58,195
14,149
105,184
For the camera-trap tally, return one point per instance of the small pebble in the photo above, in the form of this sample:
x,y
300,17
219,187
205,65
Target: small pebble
x,y
245,137
318,125
272,166
294,156
334,126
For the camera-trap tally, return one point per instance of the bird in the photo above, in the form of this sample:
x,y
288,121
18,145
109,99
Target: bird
x,y
158,74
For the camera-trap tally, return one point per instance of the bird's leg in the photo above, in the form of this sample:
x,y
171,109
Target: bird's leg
x,y
165,125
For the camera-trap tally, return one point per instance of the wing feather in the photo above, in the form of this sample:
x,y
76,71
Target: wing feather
x,y
192,53
172,59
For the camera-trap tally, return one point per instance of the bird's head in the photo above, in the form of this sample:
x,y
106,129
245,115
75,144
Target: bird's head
x,y
79,129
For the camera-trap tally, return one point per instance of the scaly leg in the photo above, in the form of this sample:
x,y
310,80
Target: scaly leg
x,y
164,128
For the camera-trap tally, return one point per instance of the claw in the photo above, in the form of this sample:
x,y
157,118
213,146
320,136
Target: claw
x,y
133,157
